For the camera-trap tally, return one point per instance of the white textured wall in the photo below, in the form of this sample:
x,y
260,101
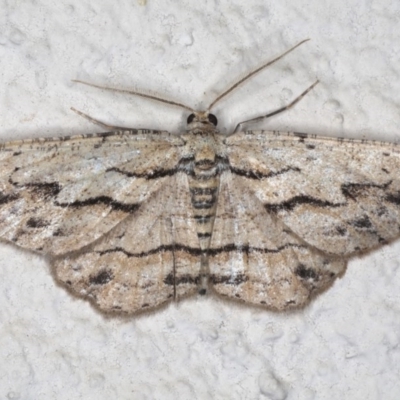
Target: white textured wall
x,y
346,344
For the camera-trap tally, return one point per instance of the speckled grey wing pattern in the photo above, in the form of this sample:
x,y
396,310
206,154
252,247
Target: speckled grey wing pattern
x,y
127,216
94,204
59,195
255,258
293,208
150,258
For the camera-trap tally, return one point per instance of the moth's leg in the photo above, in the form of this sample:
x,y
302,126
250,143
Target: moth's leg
x,y
297,99
97,122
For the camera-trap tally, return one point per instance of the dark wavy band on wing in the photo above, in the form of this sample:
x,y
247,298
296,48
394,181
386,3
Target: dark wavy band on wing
x,y
197,251
295,201
349,190
186,165
47,190
156,173
115,205
246,249
254,174
160,249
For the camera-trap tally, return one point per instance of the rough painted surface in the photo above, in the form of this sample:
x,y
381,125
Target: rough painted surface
x,y
345,344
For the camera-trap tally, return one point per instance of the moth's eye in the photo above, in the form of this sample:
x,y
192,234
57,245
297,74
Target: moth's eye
x,y
190,118
213,119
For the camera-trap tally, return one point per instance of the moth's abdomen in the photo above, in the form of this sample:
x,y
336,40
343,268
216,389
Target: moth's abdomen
x,y
204,193
203,186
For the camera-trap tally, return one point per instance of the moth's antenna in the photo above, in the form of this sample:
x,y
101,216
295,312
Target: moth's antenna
x,y
147,96
253,73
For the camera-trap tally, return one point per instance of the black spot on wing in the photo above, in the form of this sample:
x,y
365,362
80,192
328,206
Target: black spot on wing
x,y
59,232
7,198
362,223
37,223
44,190
305,273
393,198
381,211
354,190
173,280
340,230
229,279
101,278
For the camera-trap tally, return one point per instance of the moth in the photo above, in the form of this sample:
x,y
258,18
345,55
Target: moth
x,y
131,219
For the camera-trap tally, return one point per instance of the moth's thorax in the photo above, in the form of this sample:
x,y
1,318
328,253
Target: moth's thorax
x,y
204,158
203,141
203,148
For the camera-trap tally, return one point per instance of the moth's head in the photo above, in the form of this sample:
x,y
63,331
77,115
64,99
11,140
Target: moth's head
x,y
199,119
